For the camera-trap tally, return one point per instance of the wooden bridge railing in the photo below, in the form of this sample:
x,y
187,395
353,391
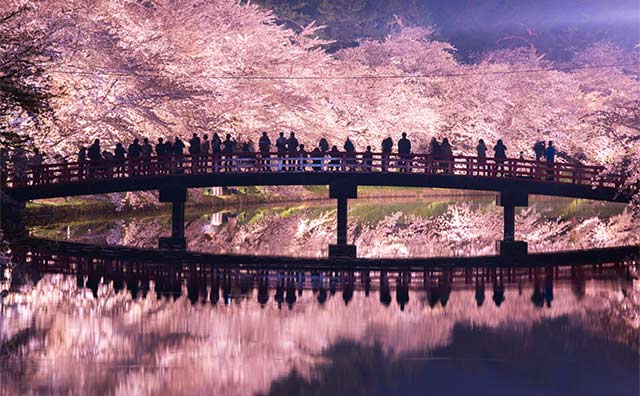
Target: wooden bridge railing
x,y
507,168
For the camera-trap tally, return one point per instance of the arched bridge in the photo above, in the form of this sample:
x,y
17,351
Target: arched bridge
x,y
513,179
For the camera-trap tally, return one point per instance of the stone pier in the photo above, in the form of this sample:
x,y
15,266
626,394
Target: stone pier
x,y
12,217
508,246
342,192
177,196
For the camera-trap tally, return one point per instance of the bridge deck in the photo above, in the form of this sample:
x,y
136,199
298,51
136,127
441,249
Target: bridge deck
x,y
374,169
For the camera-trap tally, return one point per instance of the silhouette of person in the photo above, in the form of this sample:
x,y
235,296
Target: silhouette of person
x,y
302,158
134,150
481,150
94,151
160,149
316,154
350,154
264,144
216,151
335,155
550,157
348,146
162,154
404,149
178,147
95,154
194,152
229,146
539,149
446,154
36,166
292,150
205,148
194,145
281,149
323,145
168,148
387,147
367,160
500,154
146,151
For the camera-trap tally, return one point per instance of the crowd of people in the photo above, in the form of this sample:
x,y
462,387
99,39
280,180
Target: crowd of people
x,y
285,154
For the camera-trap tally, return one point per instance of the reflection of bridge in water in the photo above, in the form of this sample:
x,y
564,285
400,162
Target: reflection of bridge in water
x,y
512,179
221,281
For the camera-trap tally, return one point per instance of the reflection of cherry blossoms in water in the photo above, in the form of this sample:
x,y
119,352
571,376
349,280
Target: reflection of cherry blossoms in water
x,y
115,344
461,230
458,229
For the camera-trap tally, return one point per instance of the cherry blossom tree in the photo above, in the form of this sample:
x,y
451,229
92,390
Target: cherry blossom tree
x,y
130,68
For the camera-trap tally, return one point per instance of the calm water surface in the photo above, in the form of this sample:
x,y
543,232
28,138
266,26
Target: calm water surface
x,y
380,228
81,325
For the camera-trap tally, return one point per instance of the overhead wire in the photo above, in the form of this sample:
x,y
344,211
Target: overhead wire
x,y
125,73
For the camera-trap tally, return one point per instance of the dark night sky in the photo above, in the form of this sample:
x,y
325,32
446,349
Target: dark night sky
x,y
555,27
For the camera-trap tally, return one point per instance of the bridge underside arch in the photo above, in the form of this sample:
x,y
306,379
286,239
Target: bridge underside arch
x,y
527,186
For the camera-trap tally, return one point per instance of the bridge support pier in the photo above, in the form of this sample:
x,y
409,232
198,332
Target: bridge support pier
x,y
12,215
177,196
508,246
342,192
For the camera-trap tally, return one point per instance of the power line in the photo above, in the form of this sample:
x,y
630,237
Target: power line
x,y
123,73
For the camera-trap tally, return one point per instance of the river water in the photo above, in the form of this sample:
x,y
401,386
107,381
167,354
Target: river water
x,y
76,324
